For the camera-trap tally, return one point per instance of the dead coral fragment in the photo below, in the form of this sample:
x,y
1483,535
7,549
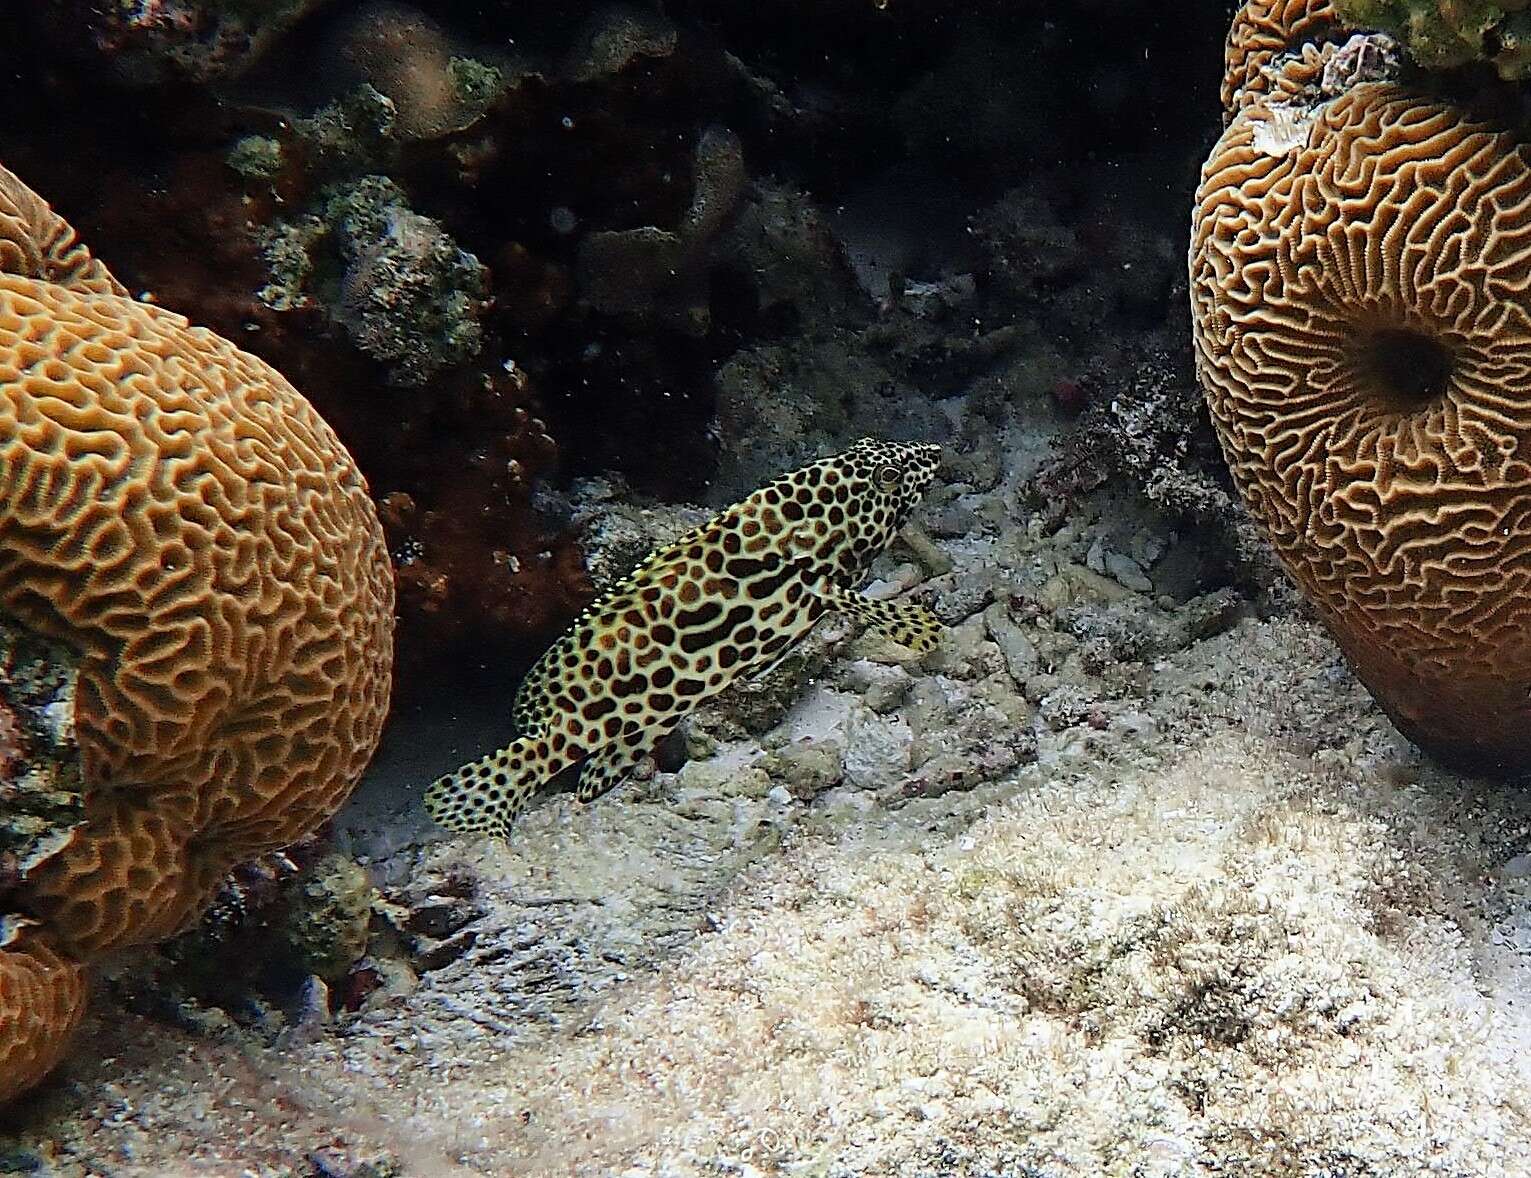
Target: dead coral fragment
x,y
401,53
615,38
329,908
653,274
412,298
41,794
153,41
406,293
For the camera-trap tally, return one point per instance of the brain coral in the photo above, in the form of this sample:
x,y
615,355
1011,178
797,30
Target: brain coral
x,y
1262,30
41,998
174,510
1361,286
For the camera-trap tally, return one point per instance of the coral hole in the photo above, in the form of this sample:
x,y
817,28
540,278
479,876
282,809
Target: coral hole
x,y
1406,368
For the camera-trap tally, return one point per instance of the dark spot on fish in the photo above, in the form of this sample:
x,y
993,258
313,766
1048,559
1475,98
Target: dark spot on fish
x,y
766,586
700,616
703,639
746,566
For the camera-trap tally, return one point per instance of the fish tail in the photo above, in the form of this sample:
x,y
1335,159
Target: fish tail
x,y
486,795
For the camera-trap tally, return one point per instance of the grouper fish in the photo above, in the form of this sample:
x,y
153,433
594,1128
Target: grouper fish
x,y
723,602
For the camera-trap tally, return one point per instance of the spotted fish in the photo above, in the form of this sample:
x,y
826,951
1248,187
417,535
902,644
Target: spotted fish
x,y
724,602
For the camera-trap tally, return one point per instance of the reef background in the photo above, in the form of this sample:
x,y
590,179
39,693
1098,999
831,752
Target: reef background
x,y
1130,877
501,250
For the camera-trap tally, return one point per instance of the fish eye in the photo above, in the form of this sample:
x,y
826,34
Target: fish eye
x,y
888,477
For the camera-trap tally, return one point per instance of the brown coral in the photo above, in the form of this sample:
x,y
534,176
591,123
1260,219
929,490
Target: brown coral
x,y
1360,277
172,508
1262,31
42,996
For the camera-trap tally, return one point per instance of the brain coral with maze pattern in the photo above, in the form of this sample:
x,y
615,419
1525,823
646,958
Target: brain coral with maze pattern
x,y
1361,288
1262,30
176,512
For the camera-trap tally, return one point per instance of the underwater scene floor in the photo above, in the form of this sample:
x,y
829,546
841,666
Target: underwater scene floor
x,y
1211,915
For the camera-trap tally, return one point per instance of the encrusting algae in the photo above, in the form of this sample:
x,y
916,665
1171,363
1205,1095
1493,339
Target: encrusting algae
x,y
723,602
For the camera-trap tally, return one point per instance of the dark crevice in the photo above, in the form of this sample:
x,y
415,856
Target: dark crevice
x,y
1408,368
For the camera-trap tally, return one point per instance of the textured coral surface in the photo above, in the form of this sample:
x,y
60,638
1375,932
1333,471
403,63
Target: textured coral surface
x,y
1262,30
175,510
42,996
1364,335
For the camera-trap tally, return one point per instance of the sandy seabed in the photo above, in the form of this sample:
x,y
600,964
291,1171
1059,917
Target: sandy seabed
x,y
1248,931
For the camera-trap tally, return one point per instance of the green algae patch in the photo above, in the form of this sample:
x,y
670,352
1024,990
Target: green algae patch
x,y
1443,34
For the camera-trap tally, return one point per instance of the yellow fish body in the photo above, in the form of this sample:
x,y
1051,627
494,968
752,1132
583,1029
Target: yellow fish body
x,y
722,603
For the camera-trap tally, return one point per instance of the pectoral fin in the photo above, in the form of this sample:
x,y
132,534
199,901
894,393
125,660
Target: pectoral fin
x,y
908,624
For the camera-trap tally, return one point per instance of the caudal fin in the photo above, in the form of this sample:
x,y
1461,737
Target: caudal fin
x,y
484,796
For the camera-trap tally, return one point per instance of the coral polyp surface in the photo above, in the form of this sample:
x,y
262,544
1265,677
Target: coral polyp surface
x,y
172,509
42,995
1357,278
1263,30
